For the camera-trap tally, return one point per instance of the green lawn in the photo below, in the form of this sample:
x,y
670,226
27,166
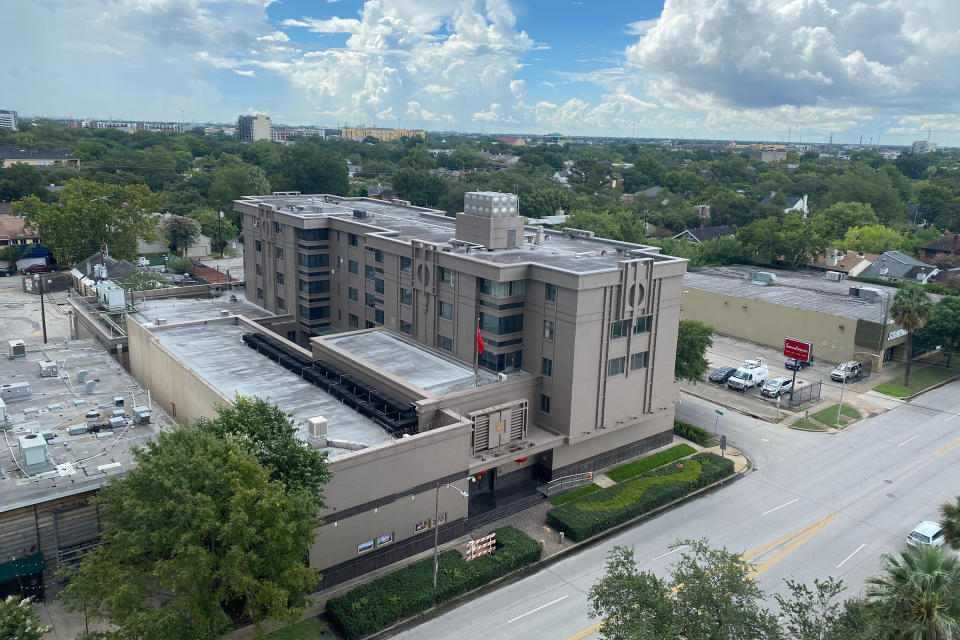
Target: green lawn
x,y
635,468
564,498
806,425
309,629
920,378
829,415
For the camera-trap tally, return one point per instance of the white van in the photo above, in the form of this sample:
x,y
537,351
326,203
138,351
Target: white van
x,y
753,373
928,533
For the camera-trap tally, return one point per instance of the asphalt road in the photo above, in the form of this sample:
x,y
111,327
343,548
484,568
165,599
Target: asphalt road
x,y
817,505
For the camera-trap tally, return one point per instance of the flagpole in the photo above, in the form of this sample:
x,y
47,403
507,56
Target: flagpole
x,y
476,355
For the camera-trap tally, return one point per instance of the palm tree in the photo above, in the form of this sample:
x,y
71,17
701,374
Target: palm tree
x,y
950,521
921,588
910,309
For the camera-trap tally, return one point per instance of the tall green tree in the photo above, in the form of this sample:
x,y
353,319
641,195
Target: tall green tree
x,y
911,308
213,226
310,168
182,232
693,340
89,214
950,521
195,539
19,181
19,621
234,181
834,221
943,327
418,186
789,238
873,239
921,587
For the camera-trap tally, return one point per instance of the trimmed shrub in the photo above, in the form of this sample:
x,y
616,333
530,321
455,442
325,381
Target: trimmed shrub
x,y
635,468
590,514
693,433
409,591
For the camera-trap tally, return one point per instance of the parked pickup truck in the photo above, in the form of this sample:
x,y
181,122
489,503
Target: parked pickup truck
x,y
753,373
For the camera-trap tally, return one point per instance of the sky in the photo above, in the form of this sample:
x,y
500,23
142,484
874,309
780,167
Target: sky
x,y
778,70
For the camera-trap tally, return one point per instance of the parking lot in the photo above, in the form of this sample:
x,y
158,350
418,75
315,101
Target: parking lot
x,y
732,352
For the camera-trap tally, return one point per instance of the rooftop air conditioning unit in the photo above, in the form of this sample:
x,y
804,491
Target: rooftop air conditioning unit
x,y
141,415
16,349
836,276
866,295
318,431
501,377
48,369
763,277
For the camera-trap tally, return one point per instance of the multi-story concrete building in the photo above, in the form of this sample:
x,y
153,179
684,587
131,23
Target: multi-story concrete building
x,y
359,133
253,127
8,119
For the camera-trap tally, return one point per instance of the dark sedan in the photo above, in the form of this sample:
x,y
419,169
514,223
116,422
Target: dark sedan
x,y
797,365
721,375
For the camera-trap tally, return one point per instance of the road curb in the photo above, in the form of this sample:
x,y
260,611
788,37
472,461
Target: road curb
x,y
546,561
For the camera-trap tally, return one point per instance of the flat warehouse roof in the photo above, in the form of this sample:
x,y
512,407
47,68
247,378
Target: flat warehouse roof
x,y
217,354
408,361
177,310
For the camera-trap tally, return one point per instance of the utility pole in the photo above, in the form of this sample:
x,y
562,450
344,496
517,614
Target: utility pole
x,y
220,233
43,308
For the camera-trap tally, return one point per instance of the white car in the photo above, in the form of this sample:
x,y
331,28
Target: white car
x,y
928,533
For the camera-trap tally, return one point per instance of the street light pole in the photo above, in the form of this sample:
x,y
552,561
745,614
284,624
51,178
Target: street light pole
x,y
220,233
436,528
843,387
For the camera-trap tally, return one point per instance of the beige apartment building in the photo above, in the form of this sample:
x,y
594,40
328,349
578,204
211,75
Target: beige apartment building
x,y
364,327
384,135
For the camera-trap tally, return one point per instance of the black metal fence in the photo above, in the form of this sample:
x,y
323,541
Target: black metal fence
x,y
802,394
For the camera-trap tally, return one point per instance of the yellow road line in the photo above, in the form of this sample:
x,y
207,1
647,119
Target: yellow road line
x,y
801,536
948,447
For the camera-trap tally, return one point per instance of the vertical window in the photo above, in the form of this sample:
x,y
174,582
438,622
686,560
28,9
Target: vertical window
x,y
406,327
278,253
445,275
378,256
354,294
277,227
618,329
548,329
259,246
406,297
446,310
616,366
354,321
279,278
547,367
259,293
352,239
259,270
368,272
544,403
378,285
550,292
642,324
281,303
378,316
639,360
444,343
406,264
353,266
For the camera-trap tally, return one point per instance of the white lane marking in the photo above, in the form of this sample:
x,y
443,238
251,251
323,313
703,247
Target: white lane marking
x,y
664,555
544,606
908,440
952,417
851,555
780,507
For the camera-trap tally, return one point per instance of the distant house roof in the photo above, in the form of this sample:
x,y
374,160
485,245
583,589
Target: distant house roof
x,y
704,233
13,227
947,243
790,200
116,269
652,192
851,262
15,153
5,208
895,265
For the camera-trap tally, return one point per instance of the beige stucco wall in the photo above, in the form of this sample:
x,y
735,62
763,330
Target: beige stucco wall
x,y
768,324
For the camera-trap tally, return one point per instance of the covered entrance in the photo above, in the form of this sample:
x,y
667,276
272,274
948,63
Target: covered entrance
x,y
23,577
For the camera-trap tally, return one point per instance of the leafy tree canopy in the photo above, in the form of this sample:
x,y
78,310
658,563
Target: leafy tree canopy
x,y
693,341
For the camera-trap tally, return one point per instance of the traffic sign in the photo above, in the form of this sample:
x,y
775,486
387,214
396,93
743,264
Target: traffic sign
x,y
723,443
718,412
798,349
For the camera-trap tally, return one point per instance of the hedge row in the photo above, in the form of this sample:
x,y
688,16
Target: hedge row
x,y
564,498
409,591
635,468
693,433
606,508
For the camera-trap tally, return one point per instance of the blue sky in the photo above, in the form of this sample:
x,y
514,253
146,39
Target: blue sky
x,y
725,69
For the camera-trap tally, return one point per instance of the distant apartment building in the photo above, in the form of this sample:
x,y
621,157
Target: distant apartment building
x,y
924,146
8,119
253,127
53,158
279,134
384,135
129,127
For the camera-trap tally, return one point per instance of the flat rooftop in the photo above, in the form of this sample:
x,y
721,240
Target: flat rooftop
x,y
216,353
796,289
430,371
408,223
177,310
75,463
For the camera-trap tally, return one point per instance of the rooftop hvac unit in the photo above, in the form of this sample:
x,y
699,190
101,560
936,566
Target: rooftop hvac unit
x,y
33,453
4,418
48,369
501,377
224,313
16,349
81,375
763,277
836,276
117,423
318,431
866,295
141,415
118,401
92,418
15,390
77,429
118,413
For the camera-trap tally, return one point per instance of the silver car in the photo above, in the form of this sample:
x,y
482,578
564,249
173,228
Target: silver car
x,y
775,387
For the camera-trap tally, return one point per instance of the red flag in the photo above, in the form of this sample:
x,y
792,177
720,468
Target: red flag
x,y
479,342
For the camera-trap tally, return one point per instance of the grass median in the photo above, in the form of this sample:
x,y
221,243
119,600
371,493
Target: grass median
x,y
601,510
921,378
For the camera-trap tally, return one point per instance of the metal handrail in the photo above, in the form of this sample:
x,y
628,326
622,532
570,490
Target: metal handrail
x,y
567,482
